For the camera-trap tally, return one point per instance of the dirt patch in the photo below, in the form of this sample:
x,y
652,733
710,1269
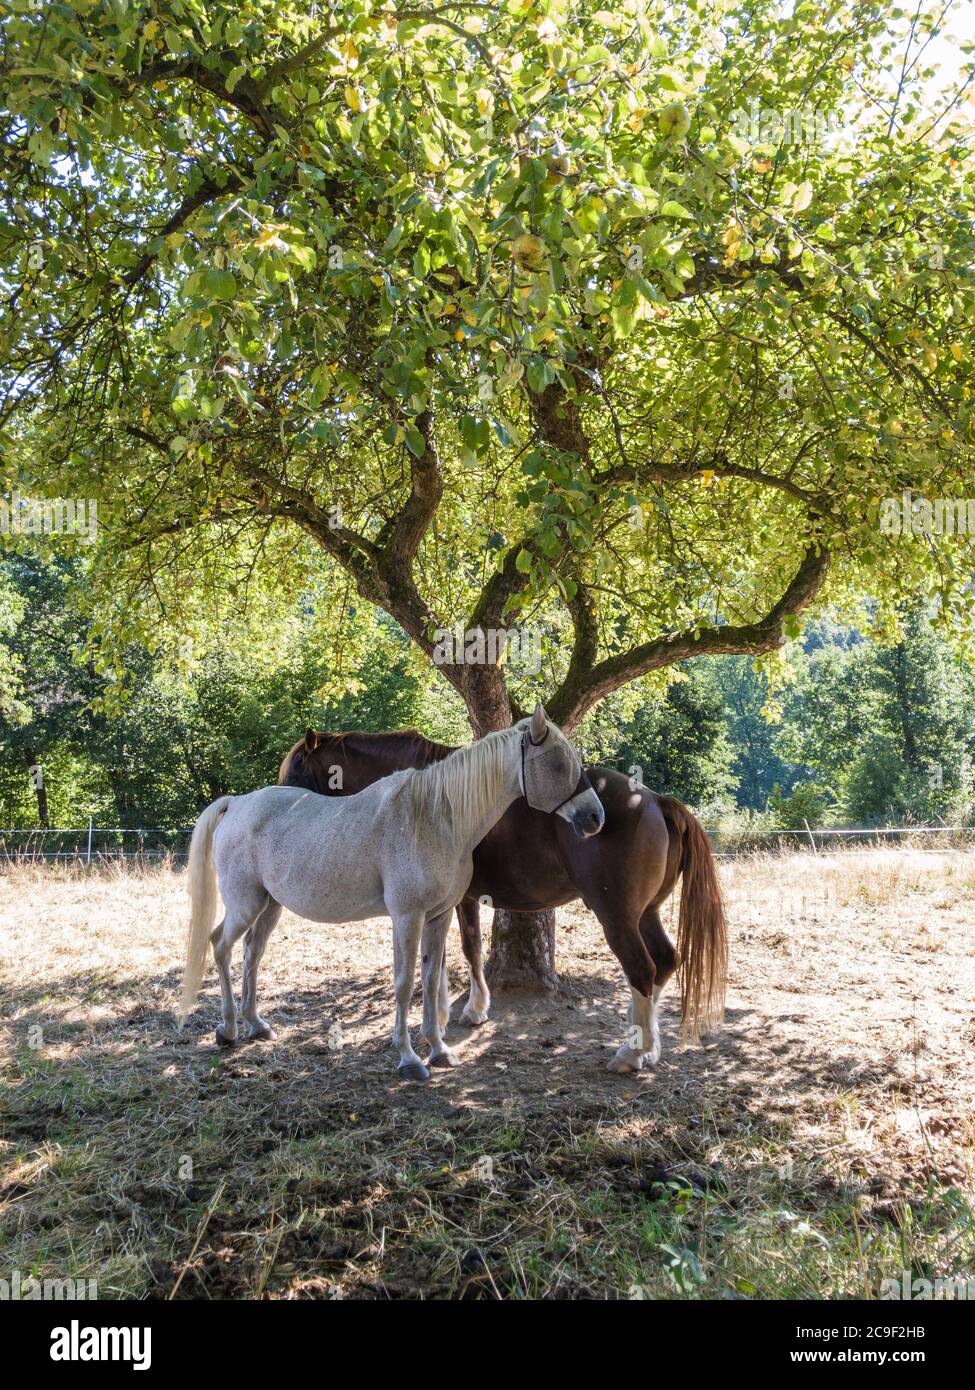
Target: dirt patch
x,y
788,1155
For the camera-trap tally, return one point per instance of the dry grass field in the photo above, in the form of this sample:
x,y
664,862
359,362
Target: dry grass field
x,y
822,1142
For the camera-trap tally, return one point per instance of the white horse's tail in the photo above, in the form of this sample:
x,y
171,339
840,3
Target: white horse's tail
x,y
202,886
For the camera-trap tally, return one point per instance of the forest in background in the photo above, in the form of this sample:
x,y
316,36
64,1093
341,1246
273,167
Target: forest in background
x,y
838,730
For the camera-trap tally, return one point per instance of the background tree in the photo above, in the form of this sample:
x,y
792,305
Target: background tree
x,y
753,733
53,690
675,741
216,722
891,728
529,315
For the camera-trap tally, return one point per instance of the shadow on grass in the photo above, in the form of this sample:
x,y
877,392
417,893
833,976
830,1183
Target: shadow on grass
x,y
166,1166
332,1053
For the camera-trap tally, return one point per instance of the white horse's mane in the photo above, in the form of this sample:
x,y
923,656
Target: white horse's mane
x,y
466,785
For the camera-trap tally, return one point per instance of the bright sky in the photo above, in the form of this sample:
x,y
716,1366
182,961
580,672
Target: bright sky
x,y
944,52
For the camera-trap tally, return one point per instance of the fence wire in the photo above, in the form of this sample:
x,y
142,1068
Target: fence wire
x,y
93,844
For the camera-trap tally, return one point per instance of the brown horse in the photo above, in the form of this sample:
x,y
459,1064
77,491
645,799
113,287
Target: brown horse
x,y
531,861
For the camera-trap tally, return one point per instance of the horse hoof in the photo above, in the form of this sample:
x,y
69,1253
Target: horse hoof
x,y
444,1059
223,1040
413,1071
263,1032
473,1017
624,1064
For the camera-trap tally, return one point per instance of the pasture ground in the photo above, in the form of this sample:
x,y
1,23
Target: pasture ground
x,y
822,1142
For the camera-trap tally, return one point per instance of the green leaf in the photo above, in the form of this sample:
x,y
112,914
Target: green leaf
x,y
219,284
674,209
415,442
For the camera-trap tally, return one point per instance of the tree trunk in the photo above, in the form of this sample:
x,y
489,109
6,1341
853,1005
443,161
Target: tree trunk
x,y
522,943
36,773
522,951
904,706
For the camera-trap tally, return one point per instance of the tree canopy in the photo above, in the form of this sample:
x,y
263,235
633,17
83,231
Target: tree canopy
x,y
618,321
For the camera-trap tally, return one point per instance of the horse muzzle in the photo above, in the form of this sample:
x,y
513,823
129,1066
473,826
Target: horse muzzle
x,y
585,814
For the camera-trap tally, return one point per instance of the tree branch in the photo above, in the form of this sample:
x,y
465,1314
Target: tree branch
x,y
208,190
585,647
720,466
583,688
400,539
377,580
245,98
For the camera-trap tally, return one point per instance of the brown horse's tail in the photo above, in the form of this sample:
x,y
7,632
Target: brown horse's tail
x,y
702,938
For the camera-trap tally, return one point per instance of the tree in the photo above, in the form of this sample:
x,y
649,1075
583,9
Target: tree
x,y
752,734
678,743
52,690
519,316
12,708
891,727
186,734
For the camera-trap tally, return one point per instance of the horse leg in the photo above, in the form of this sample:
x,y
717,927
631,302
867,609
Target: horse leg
x,y
664,958
406,942
243,909
255,943
434,945
479,997
444,1000
627,945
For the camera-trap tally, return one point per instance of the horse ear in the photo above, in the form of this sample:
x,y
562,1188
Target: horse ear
x,y
311,740
539,727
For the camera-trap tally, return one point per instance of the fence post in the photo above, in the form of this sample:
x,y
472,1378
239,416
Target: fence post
x,y
88,858
812,838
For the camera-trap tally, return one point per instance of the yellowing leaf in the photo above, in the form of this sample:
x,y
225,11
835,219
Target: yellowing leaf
x,y
802,197
352,99
269,236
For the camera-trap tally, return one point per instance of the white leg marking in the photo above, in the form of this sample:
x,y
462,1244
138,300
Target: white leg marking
x,y
639,1035
657,1045
478,1001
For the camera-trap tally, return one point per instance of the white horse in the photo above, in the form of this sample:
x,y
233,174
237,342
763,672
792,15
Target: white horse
x,y
401,848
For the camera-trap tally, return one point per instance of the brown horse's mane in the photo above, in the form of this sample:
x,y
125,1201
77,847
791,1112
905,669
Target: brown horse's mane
x,y
326,744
